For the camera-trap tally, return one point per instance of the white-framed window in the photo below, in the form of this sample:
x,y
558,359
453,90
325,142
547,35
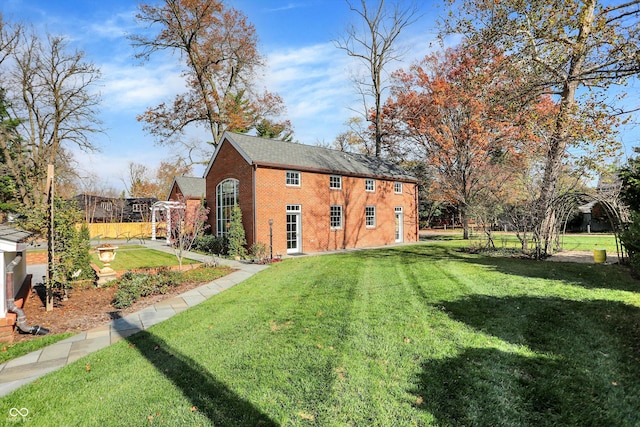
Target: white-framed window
x,y
106,206
293,178
370,216
227,193
335,182
370,185
397,187
139,207
335,216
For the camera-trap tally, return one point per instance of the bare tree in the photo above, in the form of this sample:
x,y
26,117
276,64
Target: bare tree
x,y
188,221
50,91
374,43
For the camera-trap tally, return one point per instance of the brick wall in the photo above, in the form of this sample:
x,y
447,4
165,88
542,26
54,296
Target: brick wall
x,y
230,164
315,197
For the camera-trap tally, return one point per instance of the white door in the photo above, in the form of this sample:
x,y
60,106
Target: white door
x,y
294,234
399,225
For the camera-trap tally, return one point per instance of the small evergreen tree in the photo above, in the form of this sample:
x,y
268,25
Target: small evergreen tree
x,y
237,240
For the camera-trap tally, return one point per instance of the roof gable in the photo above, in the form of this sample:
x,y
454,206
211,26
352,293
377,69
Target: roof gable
x,y
277,153
189,186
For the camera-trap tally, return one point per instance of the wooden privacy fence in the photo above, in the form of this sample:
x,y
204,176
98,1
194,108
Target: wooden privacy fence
x,y
124,230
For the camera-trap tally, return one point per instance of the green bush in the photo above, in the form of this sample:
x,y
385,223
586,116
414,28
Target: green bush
x,y
212,244
630,239
132,286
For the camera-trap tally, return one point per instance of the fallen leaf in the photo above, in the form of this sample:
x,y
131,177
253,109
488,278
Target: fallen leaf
x,y
614,383
150,418
419,400
306,416
319,345
132,345
194,409
407,340
87,367
156,347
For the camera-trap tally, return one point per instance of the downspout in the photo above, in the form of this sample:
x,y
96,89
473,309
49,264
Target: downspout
x,y
416,210
254,196
21,322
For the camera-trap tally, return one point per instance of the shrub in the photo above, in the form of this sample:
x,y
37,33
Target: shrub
x,y
212,244
259,251
630,239
132,286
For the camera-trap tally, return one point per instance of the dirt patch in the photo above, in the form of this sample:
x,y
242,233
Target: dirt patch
x,y
583,257
85,308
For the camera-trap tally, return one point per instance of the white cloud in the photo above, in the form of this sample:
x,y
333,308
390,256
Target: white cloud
x,y
135,88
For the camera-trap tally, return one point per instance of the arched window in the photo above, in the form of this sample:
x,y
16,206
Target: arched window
x,y
226,199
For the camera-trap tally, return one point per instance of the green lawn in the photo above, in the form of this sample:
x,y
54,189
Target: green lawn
x,y
136,256
569,242
412,335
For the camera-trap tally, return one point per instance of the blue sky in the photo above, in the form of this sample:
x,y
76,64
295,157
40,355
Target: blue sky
x,y
295,36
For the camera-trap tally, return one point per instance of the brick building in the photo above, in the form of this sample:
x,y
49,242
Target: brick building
x,y
308,198
192,189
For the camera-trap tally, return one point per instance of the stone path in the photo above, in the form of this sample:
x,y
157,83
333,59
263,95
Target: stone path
x,y
25,369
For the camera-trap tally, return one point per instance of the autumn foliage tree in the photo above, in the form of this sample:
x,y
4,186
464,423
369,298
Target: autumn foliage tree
x,y
573,50
219,49
449,111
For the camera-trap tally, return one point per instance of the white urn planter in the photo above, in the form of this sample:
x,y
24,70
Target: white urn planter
x,y
106,255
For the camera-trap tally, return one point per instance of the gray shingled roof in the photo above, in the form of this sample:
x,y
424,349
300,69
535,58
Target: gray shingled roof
x,y
191,186
13,234
264,151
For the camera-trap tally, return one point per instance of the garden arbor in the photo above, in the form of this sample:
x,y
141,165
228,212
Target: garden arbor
x,y
616,212
163,209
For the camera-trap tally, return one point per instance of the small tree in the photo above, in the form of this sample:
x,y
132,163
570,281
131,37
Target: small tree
x,y
237,240
188,222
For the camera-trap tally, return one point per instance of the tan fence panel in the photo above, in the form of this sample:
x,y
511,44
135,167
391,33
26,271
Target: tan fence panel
x,y
124,230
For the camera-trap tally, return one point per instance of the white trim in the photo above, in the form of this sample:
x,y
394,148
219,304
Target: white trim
x,y
286,178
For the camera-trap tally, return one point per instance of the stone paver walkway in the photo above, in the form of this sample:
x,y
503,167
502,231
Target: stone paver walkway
x,y
25,369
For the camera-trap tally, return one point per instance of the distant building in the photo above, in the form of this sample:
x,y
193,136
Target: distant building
x,y
98,209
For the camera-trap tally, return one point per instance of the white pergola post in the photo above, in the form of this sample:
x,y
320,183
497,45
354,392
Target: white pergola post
x,y
153,223
166,206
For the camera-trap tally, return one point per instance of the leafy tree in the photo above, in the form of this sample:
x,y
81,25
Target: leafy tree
x,y
167,171
8,136
236,235
447,108
219,47
630,177
573,50
375,46
630,195
71,245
